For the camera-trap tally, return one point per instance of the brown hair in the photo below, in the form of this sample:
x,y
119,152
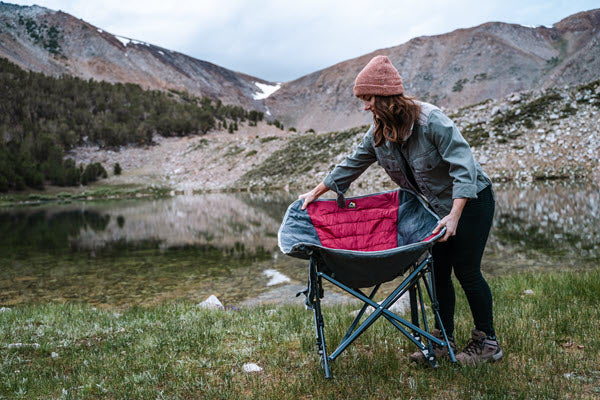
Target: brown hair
x,y
395,116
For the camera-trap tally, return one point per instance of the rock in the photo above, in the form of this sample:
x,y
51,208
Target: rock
x,y
211,302
399,307
514,98
528,291
251,367
276,277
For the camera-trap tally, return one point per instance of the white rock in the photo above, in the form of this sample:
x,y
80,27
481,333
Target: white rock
x,y
276,277
211,302
251,367
54,355
514,98
528,291
399,307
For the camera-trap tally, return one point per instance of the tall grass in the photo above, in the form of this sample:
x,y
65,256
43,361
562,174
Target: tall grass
x,y
178,350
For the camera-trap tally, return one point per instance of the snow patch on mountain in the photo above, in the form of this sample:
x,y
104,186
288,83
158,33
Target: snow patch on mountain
x,y
265,90
123,40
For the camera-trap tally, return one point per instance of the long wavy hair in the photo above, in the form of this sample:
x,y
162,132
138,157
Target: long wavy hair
x,y
395,116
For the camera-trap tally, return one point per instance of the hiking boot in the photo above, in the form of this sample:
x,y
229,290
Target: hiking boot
x,y
438,350
479,350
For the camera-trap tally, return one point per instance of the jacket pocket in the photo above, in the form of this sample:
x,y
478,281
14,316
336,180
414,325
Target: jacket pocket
x,y
390,165
433,170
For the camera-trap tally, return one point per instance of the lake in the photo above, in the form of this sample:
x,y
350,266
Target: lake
x,y
135,252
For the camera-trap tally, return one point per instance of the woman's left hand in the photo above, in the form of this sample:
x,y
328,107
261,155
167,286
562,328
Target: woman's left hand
x,y
450,221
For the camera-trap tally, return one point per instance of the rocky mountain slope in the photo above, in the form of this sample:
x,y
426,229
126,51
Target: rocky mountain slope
x,y
56,43
522,137
455,69
462,67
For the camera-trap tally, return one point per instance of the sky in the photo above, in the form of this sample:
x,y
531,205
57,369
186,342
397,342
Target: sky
x,y
281,40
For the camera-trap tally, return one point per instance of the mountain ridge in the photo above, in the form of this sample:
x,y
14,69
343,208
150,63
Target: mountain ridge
x,y
56,43
451,70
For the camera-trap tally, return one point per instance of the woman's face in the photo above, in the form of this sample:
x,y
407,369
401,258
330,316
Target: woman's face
x,y
369,103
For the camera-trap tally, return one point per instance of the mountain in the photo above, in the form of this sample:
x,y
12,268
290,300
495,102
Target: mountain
x,y
455,69
56,43
546,135
452,70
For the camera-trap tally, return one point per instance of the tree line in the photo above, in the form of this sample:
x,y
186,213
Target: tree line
x,y
42,117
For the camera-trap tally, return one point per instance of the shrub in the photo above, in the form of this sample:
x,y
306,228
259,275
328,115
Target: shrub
x,y
92,172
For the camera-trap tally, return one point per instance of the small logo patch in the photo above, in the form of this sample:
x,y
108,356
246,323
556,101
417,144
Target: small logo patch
x,y
352,205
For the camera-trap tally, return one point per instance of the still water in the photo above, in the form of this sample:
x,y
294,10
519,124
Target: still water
x,y
188,247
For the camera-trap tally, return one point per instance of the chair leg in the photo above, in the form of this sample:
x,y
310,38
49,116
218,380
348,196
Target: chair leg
x,y
314,298
429,283
414,312
322,348
435,306
430,356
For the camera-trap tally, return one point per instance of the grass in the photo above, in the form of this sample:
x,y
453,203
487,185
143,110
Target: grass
x,y
531,110
98,192
178,350
476,134
299,155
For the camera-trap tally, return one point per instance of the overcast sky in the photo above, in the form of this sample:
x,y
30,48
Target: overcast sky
x,y
280,40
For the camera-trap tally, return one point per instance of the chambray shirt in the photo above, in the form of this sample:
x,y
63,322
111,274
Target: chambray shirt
x,y
437,154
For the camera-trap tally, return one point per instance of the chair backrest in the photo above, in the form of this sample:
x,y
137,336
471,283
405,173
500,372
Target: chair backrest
x,y
366,224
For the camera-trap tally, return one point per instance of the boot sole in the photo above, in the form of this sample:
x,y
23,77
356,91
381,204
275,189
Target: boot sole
x,y
495,357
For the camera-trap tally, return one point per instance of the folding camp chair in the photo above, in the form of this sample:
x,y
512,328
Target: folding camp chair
x,y
362,242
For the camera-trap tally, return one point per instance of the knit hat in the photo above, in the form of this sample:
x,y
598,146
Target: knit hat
x,y
378,77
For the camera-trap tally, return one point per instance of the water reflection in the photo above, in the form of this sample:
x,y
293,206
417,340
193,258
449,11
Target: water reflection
x,y
138,252
545,225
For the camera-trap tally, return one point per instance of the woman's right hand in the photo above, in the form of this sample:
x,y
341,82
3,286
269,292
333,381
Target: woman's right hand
x,y
314,194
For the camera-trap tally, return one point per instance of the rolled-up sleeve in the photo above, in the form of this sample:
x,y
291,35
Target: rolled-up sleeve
x,y
455,150
353,166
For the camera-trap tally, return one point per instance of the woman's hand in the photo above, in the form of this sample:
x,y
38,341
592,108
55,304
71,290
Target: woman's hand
x,y
450,221
313,194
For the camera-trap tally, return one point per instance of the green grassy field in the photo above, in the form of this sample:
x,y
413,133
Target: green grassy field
x,y
177,350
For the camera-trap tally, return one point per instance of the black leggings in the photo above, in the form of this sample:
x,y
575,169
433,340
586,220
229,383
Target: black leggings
x,y
463,253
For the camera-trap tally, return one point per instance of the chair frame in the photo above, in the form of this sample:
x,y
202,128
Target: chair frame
x,y
421,274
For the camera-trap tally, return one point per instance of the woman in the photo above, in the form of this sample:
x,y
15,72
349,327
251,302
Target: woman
x,y
422,150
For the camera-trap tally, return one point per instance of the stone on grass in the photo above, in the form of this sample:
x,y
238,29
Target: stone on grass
x,y
212,302
399,307
251,367
528,291
276,277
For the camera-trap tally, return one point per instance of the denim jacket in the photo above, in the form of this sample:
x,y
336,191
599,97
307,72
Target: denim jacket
x,y
440,159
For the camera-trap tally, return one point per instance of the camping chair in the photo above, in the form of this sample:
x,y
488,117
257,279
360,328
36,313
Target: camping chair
x,y
362,242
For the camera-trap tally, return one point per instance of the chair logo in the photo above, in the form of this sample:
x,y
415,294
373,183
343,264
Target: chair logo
x,y
352,205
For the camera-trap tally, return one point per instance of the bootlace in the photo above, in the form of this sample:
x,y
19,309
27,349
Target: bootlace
x,y
473,347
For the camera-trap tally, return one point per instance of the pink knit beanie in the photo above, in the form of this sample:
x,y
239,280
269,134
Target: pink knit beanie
x,y
378,77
